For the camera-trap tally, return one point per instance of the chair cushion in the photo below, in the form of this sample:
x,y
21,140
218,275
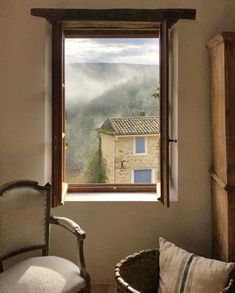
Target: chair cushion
x,y
181,271
47,274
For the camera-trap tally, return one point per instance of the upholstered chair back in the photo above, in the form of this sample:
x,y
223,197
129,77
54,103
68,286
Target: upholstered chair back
x,y
24,217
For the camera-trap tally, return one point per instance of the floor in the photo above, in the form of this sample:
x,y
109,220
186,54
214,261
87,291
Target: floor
x,y
103,288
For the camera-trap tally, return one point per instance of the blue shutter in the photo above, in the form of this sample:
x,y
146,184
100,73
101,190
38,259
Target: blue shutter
x,y
142,176
140,145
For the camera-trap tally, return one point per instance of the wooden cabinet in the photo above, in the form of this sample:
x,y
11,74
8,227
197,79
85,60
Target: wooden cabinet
x,y
222,63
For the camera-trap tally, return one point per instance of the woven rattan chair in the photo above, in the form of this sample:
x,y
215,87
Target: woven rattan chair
x,y
139,273
24,226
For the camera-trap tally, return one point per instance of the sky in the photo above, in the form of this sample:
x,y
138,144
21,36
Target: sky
x,y
116,50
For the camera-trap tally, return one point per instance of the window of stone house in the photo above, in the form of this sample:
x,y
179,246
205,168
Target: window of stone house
x,y
140,145
143,176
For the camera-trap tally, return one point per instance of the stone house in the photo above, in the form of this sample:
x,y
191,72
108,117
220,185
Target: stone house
x,y
130,147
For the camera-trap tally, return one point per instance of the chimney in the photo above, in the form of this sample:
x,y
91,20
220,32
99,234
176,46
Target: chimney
x,y
142,113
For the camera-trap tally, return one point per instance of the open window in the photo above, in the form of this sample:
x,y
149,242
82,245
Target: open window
x,y
113,130
110,86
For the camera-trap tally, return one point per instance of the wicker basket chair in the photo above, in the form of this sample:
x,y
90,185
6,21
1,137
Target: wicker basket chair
x,y
139,273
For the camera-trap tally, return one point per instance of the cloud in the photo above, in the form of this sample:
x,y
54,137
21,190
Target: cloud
x,y
123,50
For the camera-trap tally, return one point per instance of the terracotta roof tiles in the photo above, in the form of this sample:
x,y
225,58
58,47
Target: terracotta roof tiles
x,y
131,125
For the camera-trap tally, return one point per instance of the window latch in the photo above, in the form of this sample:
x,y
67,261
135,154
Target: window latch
x,y
173,140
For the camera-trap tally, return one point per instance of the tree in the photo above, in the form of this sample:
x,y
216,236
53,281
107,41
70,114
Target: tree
x,y
95,171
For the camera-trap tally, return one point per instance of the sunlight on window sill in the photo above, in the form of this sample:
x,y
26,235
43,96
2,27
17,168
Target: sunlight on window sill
x,y
115,196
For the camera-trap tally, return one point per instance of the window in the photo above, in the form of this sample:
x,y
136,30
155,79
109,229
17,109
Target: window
x,y
112,22
143,176
140,146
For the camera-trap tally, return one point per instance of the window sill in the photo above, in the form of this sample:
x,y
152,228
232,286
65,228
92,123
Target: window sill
x,y
112,197
111,188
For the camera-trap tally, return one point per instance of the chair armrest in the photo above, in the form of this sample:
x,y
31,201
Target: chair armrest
x,y
69,225
75,229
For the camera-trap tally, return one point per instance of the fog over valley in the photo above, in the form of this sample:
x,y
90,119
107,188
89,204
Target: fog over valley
x,y
86,81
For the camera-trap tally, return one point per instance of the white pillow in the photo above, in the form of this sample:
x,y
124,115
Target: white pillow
x,y
184,272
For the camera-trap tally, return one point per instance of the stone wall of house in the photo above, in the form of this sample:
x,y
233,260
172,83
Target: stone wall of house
x,y
108,149
126,160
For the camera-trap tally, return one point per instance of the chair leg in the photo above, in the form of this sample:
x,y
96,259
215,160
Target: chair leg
x,y
88,288
88,284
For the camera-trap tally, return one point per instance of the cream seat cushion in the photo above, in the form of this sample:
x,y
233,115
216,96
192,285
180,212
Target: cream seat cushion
x,y
48,274
184,272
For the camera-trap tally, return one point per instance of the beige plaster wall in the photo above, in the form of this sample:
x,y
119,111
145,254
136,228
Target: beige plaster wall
x,y
114,229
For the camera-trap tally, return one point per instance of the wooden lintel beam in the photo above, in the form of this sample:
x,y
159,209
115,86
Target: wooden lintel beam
x,y
111,34
135,15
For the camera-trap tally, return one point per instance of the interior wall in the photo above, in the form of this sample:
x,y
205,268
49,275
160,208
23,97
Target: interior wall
x,y
114,229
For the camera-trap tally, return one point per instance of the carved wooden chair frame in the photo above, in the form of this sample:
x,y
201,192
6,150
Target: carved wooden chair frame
x,y
66,223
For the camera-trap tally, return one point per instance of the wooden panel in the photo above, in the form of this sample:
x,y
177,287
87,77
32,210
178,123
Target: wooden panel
x,y
230,107
228,36
220,222
222,51
231,225
219,157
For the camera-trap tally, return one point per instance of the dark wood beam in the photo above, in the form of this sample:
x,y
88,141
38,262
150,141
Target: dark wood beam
x,y
135,15
111,34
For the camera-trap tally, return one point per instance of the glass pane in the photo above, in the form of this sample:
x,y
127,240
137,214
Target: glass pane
x,y
111,98
140,145
142,176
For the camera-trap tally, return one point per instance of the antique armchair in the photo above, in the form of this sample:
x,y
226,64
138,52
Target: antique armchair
x,y
24,226
139,273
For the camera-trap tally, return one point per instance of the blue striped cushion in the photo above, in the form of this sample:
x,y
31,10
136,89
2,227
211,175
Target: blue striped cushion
x,y
184,272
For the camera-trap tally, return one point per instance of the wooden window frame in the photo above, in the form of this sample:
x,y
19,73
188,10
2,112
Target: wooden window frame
x,y
111,33
148,20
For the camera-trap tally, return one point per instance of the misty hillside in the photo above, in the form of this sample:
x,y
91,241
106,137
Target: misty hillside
x,y
89,80
95,92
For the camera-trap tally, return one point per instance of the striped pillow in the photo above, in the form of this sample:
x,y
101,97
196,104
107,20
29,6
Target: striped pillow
x,y
184,272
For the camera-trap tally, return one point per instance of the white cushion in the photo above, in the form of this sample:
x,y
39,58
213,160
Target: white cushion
x,y
47,274
181,271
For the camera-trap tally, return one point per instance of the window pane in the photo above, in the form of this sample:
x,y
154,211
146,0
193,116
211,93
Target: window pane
x,y
142,176
140,145
111,97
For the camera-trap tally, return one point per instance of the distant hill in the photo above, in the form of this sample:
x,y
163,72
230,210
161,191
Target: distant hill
x,y
97,91
85,81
